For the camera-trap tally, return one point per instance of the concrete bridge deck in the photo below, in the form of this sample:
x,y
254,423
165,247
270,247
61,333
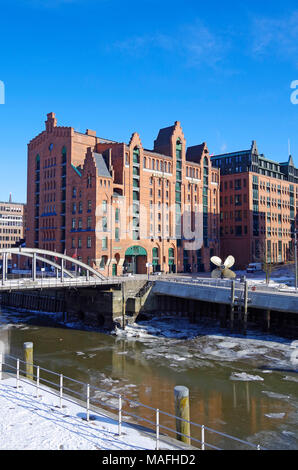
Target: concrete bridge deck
x,y
219,291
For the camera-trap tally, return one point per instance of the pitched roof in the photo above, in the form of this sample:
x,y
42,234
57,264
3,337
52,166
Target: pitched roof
x,y
101,166
195,152
164,135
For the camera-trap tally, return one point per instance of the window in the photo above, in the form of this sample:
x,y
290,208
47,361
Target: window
x,y
89,205
117,234
89,242
117,214
89,221
104,243
73,224
136,155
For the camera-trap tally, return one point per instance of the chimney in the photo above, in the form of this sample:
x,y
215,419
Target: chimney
x,y
51,122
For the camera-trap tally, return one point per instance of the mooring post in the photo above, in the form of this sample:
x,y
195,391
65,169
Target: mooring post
x,y
181,394
123,306
232,304
28,352
245,307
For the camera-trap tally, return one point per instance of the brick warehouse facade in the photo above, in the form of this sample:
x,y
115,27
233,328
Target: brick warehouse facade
x,y
258,207
118,206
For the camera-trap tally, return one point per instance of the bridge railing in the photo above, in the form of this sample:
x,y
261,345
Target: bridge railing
x,y
226,284
157,424
47,283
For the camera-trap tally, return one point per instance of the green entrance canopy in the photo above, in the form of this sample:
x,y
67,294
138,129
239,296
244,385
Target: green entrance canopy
x,y
135,251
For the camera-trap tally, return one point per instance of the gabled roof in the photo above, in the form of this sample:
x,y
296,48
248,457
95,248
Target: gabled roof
x,y
195,153
164,136
101,166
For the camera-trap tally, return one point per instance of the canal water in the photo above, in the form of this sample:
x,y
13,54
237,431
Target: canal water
x,y
243,386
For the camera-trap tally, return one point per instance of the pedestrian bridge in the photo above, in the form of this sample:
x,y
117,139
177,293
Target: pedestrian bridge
x,y
51,258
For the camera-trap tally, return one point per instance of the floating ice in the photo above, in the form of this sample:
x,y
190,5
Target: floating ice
x,y
244,376
275,415
275,395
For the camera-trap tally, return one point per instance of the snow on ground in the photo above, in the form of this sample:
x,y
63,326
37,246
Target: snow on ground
x,y
30,423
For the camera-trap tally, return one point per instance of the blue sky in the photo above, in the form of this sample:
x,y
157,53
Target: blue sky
x,y
223,69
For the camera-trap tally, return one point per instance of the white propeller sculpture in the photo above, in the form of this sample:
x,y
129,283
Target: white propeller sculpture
x,y
223,270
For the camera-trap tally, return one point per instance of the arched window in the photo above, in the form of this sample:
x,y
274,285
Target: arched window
x,y
64,154
136,155
37,162
155,257
178,149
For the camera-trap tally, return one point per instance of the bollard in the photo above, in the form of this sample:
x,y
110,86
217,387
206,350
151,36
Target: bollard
x,y
28,351
182,411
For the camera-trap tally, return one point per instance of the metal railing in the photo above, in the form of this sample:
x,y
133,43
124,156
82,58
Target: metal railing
x,y
226,284
13,366
49,283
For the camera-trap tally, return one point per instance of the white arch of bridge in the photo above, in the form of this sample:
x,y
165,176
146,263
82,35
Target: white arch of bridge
x,y
40,255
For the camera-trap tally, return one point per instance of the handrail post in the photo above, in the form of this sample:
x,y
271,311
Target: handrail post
x,y
203,437
88,402
157,429
1,356
18,372
119,415
37,381
61,389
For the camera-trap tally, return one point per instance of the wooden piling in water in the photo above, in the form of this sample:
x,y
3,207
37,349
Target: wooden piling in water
x,y
181,394
28,353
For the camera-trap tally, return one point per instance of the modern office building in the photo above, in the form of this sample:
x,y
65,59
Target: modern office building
x,y
11,223
258,207
119,206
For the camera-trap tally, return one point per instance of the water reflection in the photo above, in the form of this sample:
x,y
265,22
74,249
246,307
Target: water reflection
x,y
147,370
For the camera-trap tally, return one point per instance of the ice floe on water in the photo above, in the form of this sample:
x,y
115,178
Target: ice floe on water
x,y
278,396
205,342
275,415
290,378
246,377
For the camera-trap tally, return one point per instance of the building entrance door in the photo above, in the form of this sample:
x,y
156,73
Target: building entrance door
x,y
135,260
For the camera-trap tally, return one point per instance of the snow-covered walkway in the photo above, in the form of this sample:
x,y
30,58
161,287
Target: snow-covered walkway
x,y
27,422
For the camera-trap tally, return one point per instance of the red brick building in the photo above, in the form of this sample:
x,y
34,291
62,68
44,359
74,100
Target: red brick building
x,y
258,207
118,206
